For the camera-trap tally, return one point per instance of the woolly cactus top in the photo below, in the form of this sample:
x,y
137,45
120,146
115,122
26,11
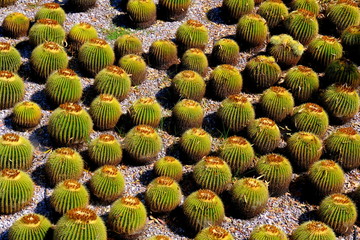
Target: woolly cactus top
x,y
340,199
146,100
328,164
98,42
196,24
237,140
10,174
238,99
129,201
348,131
287,41
84,25
72,185
198,132
115,70
82,215
328,39
10,138
32,220
109,170
106,138
7,76
71,107
52,47
48,22
347,2
312,107
278,90
164,181
206,195
195,51
218,232
308,137
317,227
145,130
274,159
344,88
51,5
212,161
270,230
190,103
169,159
106,98
266,123
264,59
305,13
252,183
66,72
354,29
65,151
5,47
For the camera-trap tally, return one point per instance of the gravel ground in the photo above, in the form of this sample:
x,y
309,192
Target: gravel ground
x,y
286,211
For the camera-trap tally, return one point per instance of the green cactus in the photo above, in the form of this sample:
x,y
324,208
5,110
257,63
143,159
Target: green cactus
x,y
276,170
135,66
313,230
326,177
163,54
46,58
127,216
113,80
252,30
235,9
62,164
309,5
302,25
304,149
262,72
343,14
264,134
212,173
51,11
12,89
189,84
16,25
187,114
107,183
143,144
343,71
310,117
69,124
214,233
339,212
105,111
94,55
343,146
17,190
236,112
79,34
16,152
192,34
163,194
63,86
105,150
30,226
250,196
10,59
159,237
341,101
273,11
350,39
147,111
302,81
267,232
67,195
80,224
195,59
225,80
26,115
169,167
285,50
238,153
5,3
203,208
127,44
46,30
225,51
174,10
80,5
141,12
195,143
277,103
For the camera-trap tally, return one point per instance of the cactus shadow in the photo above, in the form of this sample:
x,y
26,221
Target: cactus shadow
x,y
166,124
173,70
7,122
123,125
213,126
38,176
122,20
188,184
216,15
89,94
44,208
4,235
147,176
39,97
24,49
178,224
308,216
166,98
301,190
173,151
119,5
40,139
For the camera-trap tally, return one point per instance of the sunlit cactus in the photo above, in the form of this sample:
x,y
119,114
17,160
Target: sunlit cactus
x,y
79,34
46,30
192,34
51,11
105,150
16,25
12,89
252,30
10,59
273,11
30,226
26,115
105,111
141,12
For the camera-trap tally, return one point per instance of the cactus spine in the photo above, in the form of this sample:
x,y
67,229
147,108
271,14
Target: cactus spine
x,y
30,226
105,150
264,134
169,167
26,115
105,111
12,89
10,59
16,25
313,230
145,111
195,143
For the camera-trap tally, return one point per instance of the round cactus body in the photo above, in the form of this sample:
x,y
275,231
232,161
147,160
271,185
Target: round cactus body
x,y
309,5
267,232
145,111
163,54
143,144
238,153
141,12
63,86
135,66
163,194
127,44
30,226
277,171
343,14
12,89
189,84
192,34
304,148
195,143
302,81
127,216
235,9
195,59
310,117
105,111
277,103
225,80
343,71
70,124
16,152
46,30
17,190
169,167
350,39
10,59
95,55
51,11
79,34
174,10
159,237
26,115
343,146
69,194
62,164
225,51
313,230
339,212
264,134
273,11
187,114
203,208
16,25
250,196
214,233
105,150
80,224
113,80
252,30
107,183
46,58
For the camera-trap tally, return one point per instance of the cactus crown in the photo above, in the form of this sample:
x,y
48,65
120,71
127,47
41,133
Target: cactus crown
x,y
194,23
109,170
72,185
206,195
328,164
169,159
237,140
31,219
314,108
267,123
213,161
252,183
306,13
344,88
317,227
85,25
132,202
164,181
278,90
10,138
145,130
190,103
71,107
340,199
347,2
146,100
348,131
52,47
238,99
10,173
52,5
48,22
98,42
67,73
4,47
7,76
328,39
270,229
115,70
65,151
198,132
106,138
218,232
106,97
274,159
82,215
